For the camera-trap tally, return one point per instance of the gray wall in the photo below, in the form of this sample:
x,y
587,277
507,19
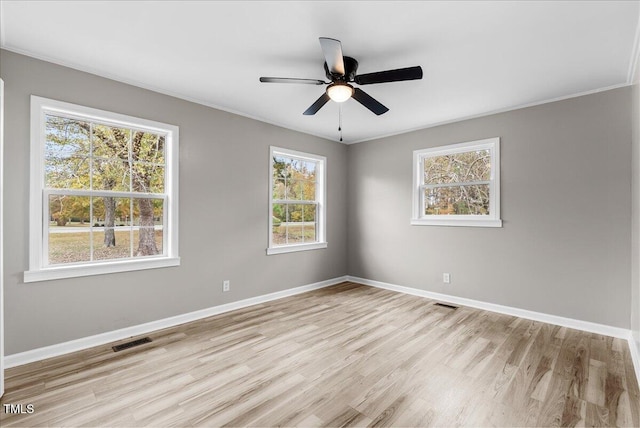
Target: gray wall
x,y
224,161
564,248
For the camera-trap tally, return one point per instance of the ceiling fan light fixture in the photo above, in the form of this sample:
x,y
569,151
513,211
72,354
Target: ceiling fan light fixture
x,y
340,92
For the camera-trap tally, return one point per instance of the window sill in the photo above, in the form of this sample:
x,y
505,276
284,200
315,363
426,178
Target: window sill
x,y
457,222
60,272
295,248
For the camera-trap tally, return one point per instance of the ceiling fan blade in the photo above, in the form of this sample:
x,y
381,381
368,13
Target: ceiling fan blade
x,y
324,98
292,80
369,102
332,50
398,75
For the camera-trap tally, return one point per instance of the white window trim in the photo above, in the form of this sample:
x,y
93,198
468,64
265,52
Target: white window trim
x,y
321,194
491,220
38,269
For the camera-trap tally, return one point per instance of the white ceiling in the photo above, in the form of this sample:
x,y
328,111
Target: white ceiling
x,y
478,57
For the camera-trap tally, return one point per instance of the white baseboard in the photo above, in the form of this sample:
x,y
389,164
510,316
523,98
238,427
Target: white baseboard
x,y
112,336
606,330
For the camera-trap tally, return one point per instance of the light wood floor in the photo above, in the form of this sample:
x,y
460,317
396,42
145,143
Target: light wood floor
x,y
344,355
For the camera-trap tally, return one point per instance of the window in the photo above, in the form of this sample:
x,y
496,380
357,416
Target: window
x,y
458,185
296,201
104,192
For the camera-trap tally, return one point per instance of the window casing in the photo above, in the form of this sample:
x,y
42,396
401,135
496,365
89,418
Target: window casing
x,y
104,192
297,203
457,185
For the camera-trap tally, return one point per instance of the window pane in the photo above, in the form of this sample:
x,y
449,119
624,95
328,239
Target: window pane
x,y
111,228
295,224
280,170
111,174
68,231
297,176
157,180
309,218
300,168
278,189
308,190
147,147
148,226
66,137
66,152
66,173
111,210
278,218
458,168
296,166
301,190
121,250
310,170
294,190
148,178
457,200
110,142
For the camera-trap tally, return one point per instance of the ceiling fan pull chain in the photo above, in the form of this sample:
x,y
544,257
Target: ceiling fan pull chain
x,y
340,120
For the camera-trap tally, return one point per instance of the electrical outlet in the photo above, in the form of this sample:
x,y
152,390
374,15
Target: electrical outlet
x,y
446,278
226,284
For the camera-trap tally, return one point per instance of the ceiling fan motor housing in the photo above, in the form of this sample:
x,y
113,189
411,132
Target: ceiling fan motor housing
x,y
350,69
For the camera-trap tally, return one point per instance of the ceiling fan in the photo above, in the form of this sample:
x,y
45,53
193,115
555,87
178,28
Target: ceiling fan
x,y
341,70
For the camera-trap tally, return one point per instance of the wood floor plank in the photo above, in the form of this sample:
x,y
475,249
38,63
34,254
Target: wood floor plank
x,y
596,382
596,416
347,355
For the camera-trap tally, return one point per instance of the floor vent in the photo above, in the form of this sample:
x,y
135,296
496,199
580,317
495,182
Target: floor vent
x,y
444,305
131,344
